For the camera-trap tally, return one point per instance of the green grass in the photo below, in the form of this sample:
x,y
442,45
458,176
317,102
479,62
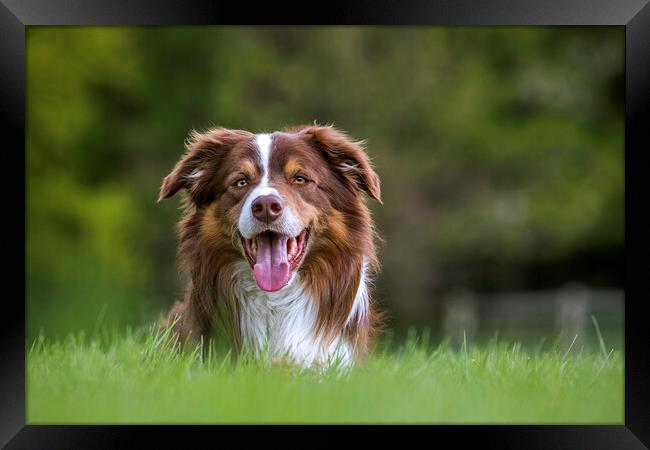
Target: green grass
x,y
137,378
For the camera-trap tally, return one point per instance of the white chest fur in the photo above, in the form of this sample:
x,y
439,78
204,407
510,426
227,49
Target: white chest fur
x,y
282,323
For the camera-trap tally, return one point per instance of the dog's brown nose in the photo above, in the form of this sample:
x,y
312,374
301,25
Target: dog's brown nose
x,y
267,208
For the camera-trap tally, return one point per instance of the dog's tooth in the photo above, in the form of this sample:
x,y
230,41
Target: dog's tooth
x,y
292,245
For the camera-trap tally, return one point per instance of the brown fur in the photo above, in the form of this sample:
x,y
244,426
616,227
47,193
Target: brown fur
x,y
331,203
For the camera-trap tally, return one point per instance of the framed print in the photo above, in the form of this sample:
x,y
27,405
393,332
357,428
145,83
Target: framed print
x,y
374,215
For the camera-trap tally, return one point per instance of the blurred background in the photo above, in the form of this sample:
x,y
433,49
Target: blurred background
x,y
500,152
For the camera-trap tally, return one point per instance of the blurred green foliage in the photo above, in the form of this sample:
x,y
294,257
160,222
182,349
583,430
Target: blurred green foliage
x,y
500,152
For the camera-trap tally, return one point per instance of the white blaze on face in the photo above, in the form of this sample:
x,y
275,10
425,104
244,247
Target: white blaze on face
x,y
248,224
263,142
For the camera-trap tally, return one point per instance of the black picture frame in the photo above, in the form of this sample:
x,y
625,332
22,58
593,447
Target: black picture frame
x,y
15,15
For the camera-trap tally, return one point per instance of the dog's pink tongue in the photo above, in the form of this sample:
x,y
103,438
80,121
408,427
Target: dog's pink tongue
x,y
271,264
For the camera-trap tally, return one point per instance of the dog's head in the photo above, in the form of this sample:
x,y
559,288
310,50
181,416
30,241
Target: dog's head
x,y
280,201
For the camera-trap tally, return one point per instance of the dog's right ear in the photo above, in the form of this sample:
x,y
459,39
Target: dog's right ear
x,y
204,152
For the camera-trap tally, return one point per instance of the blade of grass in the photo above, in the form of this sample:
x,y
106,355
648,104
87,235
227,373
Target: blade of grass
x,y
600,337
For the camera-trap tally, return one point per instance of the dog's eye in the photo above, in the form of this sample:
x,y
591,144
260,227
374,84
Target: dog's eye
x,y
241,182
299,180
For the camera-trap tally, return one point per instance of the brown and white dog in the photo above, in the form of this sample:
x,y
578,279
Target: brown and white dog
x,y
278,242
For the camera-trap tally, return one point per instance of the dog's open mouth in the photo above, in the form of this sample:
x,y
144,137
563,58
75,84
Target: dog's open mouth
x,y
274,256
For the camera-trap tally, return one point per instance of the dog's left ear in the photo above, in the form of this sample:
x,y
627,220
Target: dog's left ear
x,y
347,157
204,152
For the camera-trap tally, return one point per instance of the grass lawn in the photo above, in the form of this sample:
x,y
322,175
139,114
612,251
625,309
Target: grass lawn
x,y
135,378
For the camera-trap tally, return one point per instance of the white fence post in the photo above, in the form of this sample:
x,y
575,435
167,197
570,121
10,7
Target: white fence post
x,y
571,314
461,316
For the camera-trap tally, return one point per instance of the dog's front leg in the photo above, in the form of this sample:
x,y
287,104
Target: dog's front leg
x,y
188,323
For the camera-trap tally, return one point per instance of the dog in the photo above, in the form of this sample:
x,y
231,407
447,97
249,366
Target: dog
x,y
278,242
